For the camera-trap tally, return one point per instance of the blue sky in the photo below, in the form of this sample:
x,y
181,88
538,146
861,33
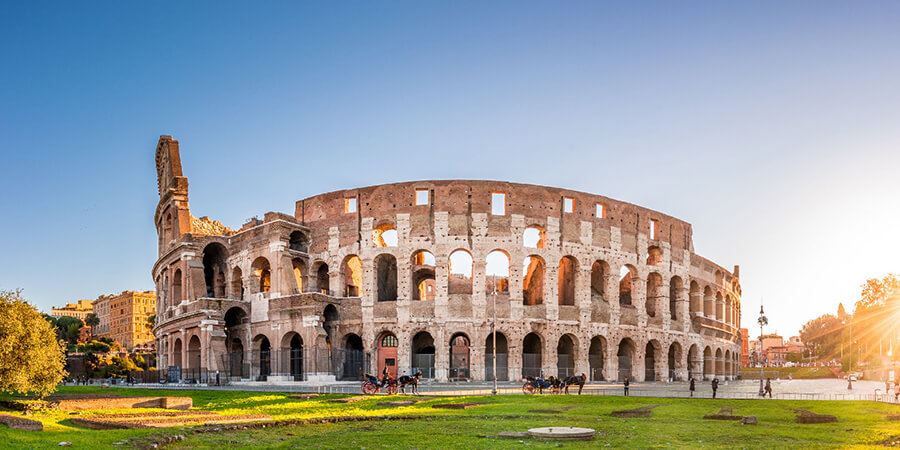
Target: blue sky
x,y
770,126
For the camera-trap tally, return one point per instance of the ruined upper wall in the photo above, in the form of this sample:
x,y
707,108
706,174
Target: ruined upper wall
x,y
462,198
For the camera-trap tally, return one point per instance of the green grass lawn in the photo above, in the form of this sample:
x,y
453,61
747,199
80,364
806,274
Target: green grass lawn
x,y
675,423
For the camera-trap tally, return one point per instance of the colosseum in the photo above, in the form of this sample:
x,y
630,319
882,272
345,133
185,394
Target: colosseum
x,y
417,275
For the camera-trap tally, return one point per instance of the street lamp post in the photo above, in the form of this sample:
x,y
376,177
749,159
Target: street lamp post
x,y
850,365
494,331
762,321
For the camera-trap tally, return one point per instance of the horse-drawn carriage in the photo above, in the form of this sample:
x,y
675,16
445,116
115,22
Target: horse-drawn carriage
x,y
553,384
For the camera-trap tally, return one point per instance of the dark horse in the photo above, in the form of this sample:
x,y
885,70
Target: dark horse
x,y
413,381
571,381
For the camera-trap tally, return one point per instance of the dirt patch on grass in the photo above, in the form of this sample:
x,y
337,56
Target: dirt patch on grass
x,y
643,411
78,402
113,422
553,410
457,405
726,413
303,396
894,418
804,416
347,399
21,423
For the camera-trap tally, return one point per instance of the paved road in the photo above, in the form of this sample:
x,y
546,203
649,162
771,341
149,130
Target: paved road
x,y
827,389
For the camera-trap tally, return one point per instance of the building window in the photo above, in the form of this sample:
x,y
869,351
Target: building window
x,y
498,203
568,204
421,197
601,211
654,228
350,205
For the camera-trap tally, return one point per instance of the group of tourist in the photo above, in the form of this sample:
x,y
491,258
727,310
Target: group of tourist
x,y
692,385
888,390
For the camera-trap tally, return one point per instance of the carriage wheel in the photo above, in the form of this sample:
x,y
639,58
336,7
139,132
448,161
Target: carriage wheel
x,y
527,388
369,388
392,389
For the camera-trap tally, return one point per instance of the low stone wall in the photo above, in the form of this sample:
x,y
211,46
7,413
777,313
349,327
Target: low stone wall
x,y
81,402
21,423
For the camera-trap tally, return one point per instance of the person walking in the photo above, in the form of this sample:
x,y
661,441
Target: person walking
x,y
768,388
896,392
693,387
715,386
625,383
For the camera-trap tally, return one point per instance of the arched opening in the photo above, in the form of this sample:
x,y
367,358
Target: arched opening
x,y
565,356
263,357
674,361
168,230
214,257
299,268
387,354
237,284
708,306
460,278
650,361
502,358
459,357
627,274
654,293
599,271
330,324
696,298
296,357
351,273
262,272
533,281
423,354
596,358
234,359
720,363
385,236
176,354
386,277
568,267
534,237
674,289
235,324
423,275
709,365
353,357
322,279
720,307
625,356
654,256
531,355
299,242
176,288
727,369
496,272
695,363
728,310
193,356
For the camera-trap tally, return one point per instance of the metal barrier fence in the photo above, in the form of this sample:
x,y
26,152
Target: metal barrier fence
x,y
502,366
423,362
297,364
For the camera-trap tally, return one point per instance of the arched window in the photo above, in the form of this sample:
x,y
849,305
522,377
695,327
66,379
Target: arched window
x,y
299,269
263,274
176,288
214,257
568,269
389,340
533,281
626,277
299,242
386,277
460,280
496,271
423,275
351,272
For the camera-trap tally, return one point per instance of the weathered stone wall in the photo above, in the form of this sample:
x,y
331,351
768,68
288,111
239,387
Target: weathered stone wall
x,y
671,337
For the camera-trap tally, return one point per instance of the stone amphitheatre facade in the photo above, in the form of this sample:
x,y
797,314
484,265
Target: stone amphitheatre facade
x,y
406,276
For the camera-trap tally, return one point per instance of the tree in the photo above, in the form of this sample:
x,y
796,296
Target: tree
x,y
68,328
31,357
92,321
876,291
